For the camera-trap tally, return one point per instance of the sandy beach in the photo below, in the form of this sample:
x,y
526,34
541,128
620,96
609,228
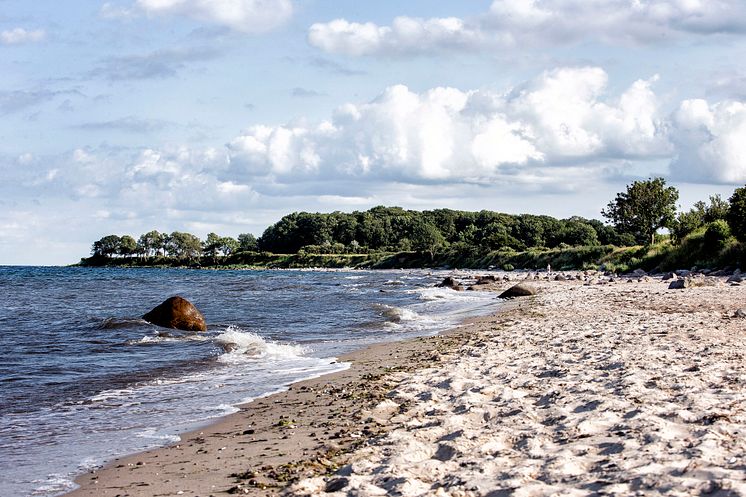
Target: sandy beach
x,y
594,386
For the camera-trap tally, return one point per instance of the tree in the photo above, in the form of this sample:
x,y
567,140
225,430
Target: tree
x,y
699,215
578,234
686,223
184,245
247,243
106,246
644,208
228,245
718,209
737,214
127,246
212,245
426,238
150,243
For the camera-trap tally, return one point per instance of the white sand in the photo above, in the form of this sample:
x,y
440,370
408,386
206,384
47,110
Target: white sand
x,y
617,389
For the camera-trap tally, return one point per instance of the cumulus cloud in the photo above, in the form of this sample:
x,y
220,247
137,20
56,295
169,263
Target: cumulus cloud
x,y
247,16
446,134
711,141
20,36
519,23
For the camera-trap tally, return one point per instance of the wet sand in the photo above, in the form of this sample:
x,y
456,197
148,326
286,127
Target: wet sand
x,y
592,387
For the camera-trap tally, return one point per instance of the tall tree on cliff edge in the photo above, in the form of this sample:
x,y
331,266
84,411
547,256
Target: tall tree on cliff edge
x,y
644,208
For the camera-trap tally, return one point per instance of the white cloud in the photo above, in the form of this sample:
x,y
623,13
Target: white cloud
x,y
406,34
711,141
520,23
445,134
20,36
248,16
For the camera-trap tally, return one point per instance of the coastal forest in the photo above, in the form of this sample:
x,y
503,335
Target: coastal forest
x,y
709,234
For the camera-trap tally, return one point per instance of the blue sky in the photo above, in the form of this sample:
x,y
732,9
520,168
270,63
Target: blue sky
x,y
224,115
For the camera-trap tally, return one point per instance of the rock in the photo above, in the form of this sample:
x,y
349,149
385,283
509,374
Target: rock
x,y
177,313
336,484
736,277
449,282
683,273
693,281
445,452
485,280
668,276
638,273
740,313
519,290
678,284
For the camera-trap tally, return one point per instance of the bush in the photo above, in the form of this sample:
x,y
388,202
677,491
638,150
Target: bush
x,y
508,267
717,235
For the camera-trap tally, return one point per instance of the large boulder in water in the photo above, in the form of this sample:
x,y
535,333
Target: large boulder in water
x,y
519,290
177,313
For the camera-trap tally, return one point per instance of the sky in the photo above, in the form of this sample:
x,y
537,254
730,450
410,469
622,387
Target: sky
x,y
222,116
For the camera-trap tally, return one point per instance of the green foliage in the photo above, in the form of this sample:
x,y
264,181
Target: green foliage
x,y
508,267
716,235
699,215
127,246
737,214
643,208
426,237
150,243
396,229
247,243
106,246
686,223
183,245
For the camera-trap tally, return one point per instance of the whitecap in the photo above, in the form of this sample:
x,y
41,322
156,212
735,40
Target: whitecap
x,y
241,345
397,314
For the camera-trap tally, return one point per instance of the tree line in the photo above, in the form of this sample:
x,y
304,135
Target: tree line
x,y
178,244
634,216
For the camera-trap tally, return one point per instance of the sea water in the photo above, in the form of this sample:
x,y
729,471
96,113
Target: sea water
x,y
83,379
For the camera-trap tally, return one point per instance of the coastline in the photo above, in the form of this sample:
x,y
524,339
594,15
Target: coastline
x,y
302,431
596,385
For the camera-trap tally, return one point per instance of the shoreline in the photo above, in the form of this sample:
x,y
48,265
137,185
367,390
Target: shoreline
x,y
596,385
284,435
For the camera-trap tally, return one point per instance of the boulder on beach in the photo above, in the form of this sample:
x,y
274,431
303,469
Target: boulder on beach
x,y
519,290
449,282
692,282
177,313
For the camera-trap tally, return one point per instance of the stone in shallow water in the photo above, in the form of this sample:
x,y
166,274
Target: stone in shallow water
x,y
177,313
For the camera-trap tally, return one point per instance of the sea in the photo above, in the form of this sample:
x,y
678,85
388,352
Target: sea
x,y
83,379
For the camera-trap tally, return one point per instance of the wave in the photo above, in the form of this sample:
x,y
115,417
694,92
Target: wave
x,y
396,314
164,337
116,323
241,345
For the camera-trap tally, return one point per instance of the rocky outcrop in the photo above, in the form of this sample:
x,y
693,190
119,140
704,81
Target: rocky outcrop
x,y
177,313
519,290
